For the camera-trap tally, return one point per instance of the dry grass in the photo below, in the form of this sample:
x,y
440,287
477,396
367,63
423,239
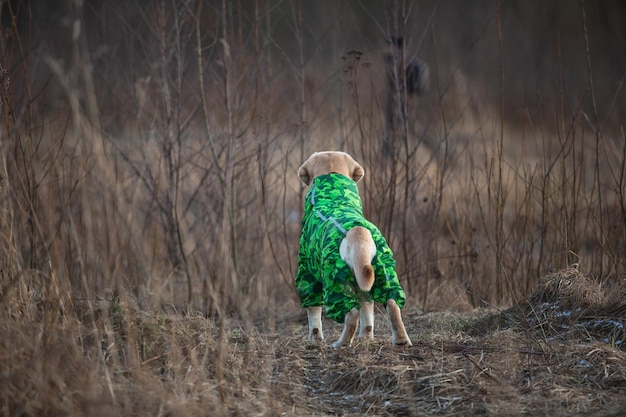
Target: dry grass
x,y
114,358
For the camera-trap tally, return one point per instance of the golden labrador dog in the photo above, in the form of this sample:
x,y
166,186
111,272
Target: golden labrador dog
x,y
344,262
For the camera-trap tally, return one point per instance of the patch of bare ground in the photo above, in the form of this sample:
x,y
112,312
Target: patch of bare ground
x,y
560,352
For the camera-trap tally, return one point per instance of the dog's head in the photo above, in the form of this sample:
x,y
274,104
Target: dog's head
x,y
328,162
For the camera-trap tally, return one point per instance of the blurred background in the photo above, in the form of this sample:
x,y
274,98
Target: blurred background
x,y
543,48
150,148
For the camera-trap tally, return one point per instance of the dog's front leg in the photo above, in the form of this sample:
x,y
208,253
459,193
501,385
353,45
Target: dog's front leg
x,y
398,332
315,324
349,329
366,329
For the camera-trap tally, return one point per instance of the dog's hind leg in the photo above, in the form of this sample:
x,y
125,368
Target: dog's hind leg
x,y
398,332
366,329
315,324
349,329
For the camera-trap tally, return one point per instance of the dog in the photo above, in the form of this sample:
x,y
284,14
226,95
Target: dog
x,y
344,262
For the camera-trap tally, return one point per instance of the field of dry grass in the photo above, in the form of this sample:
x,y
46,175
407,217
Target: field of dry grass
x,y
559,353
150,210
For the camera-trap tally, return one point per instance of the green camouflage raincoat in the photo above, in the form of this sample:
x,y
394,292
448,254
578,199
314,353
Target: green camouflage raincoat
x,y
332,207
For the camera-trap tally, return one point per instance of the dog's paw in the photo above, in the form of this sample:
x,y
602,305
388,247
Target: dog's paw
x,y
367,333
337,344
316,335
402,341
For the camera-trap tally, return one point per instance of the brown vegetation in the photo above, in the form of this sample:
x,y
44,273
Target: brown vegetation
x,y
114,358
150,208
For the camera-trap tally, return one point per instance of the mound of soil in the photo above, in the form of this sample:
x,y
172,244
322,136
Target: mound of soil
x,y
570,305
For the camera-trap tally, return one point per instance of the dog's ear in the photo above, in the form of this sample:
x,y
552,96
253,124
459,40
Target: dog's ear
x,y
304,175
357,172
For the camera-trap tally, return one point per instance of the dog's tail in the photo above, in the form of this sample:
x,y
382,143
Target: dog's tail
x,y
366,278
357,250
